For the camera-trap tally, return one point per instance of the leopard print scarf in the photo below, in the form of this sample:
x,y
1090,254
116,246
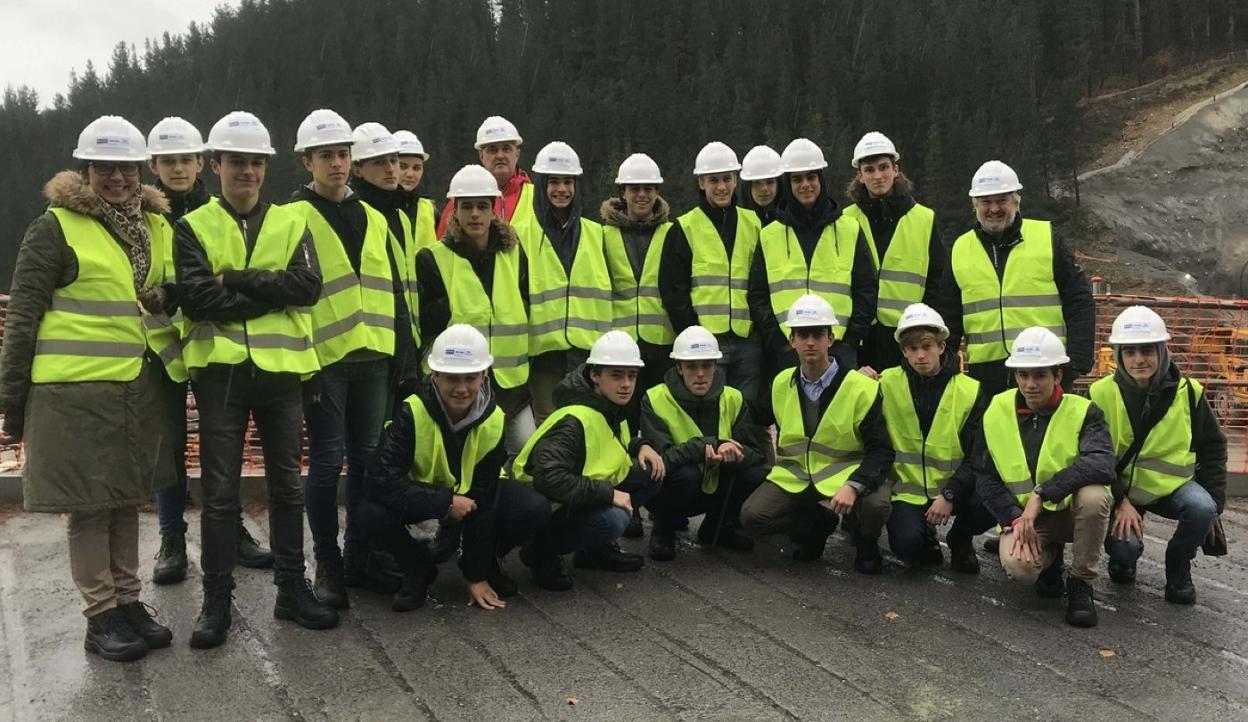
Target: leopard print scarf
x,y
127,221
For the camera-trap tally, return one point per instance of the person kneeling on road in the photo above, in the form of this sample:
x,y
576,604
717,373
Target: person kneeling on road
x,y
1043,467
704,433
582,459
442,457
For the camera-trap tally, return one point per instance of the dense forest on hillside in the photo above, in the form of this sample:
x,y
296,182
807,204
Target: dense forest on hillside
x,y
953,82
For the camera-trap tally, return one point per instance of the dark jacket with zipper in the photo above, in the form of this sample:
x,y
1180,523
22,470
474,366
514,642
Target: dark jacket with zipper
x,y
676,264
387,203
388,482
927,391
182,203
637,235
704,410
745,199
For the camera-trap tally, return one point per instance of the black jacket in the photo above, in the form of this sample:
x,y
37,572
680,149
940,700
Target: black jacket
x,y
676,265
637,235
387,479
182,203
387,203
704,410
927,392
745,199
564,235
556,460
1094,465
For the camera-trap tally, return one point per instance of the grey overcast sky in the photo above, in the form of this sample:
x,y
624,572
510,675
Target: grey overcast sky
x,y
45,39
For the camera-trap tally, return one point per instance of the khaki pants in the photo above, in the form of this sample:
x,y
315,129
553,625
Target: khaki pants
x,y
104,557
1083,523
772,510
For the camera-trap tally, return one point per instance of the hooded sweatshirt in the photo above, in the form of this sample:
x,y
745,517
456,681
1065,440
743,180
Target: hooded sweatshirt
x,y
676,267
704,410
745,199
388,203
564,233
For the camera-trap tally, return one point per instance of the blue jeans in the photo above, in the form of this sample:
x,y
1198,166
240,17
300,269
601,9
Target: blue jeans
x,y
589,529
346,421
1191,506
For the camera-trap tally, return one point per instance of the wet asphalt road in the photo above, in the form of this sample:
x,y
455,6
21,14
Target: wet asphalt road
x,y
711,636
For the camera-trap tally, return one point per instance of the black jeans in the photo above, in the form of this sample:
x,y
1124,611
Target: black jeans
x,y
908,530
171,501
227,396
681,495
590,529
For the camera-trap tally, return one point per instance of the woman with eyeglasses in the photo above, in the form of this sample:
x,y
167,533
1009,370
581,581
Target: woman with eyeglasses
x,y
87,323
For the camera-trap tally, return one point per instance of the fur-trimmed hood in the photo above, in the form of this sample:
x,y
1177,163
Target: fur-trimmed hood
x,y
68,189
614,212
502,235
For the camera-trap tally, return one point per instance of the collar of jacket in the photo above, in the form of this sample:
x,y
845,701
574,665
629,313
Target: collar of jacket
x,y
181,203
379,198
684,396
482,407
891,207
68,189
824,213
948,368
545,212
1008,238
614,212
576,388
305,193
1025,411
502,236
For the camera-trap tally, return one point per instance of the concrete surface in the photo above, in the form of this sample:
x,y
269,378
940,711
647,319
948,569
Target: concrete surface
x,y
711,636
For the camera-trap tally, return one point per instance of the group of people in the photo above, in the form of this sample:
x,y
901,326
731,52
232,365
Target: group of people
x,y
533,378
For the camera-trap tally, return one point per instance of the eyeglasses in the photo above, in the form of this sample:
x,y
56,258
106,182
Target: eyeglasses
x,y
127,170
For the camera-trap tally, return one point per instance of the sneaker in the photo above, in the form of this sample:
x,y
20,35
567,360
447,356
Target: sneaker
x,y
1080,607
110,636
213,623
330,587
139,616
608,559
298,603
171,564
249,553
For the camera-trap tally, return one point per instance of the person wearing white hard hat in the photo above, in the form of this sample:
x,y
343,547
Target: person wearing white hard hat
x,y
442,457
498,150
1009,273
710,448
759,190
569,284
832,449
419,206
587,462
706,263
81,382
175,153
247,272
903,238
1171,452
1043,466
363,338
933,413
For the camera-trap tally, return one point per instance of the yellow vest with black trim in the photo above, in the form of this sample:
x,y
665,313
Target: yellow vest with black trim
x,y
902,272
606,454
430,463
829,275
94,329
566,311
500,316
1059,450
1165,460
405,261
280,341
996,309
833,453
681,427
636,303
922,464
355,312
719,283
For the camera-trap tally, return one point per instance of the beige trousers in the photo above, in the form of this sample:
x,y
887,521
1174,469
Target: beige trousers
x,y
104,557
1082,524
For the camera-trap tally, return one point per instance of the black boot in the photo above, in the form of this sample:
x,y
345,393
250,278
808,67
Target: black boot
x,y
962,558
867,557
547,572
1122,573
724,536
992,542
214,618
330,587
1080,609
446,543
170,565
610,558
249,553
111,636
635,530
297,603
139,616
501,582
412,593
1179,587
359,570
662,542
810,545
1049,584
929,554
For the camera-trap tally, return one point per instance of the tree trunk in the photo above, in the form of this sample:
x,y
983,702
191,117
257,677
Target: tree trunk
x,y
1137,36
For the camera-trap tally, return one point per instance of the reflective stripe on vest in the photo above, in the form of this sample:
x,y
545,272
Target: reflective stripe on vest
x,y
719,283
280,341
355,312
1165,460
834,452
566,311
405,261
1059,450
922,465
996,309
500,317
829,275
903,272
606,454
430,464
636,303
681,427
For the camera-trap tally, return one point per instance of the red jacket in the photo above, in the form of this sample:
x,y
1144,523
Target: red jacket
x,y
504,207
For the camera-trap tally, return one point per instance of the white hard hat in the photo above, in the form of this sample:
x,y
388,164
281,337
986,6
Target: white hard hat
x,y
760,163
1037,348
557,158
372,140
801,156
994,178
409,144
696,344
497,129
460,349
920,315
111,138
715,157
1138,325
240,132
873,144
172,136
473,181
810,310
322,127
615,348
638,169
